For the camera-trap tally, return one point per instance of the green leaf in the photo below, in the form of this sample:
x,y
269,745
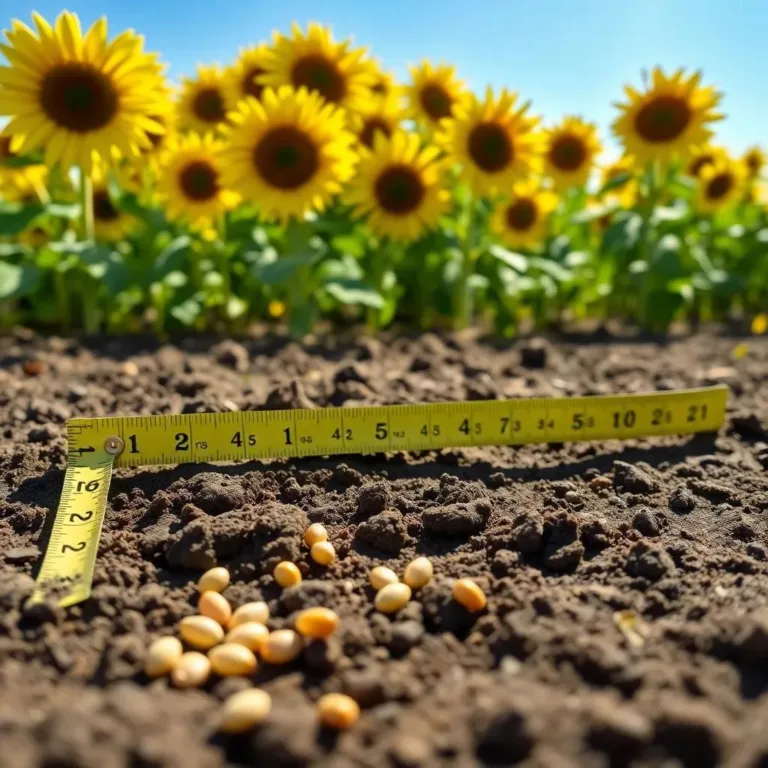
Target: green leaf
x,y
517,261
348,244
662,306
187,312
551,268
623,233
64,210
171,257
175,279
236,307
16,217
355,292
596,212
666,258
617,181
281,271
669,213
17,280
21,161
577,259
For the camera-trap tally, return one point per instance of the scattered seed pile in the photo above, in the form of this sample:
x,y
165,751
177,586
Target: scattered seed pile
x,y
626,621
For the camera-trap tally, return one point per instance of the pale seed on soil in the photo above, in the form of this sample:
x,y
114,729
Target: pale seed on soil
x,y
231,659
201,632
281,647
317,622
336,710
316,532
468,594
214,580
216,607
287,574
392,597
257,611
162,656
380,576
323,553
251,634
419,572
245,710
191,671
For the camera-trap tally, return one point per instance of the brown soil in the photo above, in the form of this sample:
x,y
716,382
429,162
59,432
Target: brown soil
x,y
561,537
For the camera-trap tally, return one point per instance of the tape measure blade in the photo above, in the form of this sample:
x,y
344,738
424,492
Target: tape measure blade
x,y
70,556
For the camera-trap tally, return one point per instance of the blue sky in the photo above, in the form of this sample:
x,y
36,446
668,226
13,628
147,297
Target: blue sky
x,y
567,56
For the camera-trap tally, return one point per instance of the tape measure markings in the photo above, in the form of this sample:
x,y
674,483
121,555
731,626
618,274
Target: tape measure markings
x,y
252,435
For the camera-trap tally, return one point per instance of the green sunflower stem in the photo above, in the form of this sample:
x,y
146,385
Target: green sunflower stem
x,y
462,297
301,306
646,241
86,201
381,261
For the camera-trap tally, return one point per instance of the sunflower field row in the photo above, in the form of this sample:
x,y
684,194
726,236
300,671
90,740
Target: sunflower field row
x,y
303,183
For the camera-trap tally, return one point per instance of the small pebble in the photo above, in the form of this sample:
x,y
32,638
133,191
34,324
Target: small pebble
x,y
468,594
336,710
281,647
216,607
392,597
162,656
191,671
418,573
251,634
316,532
201,632
323,553
249,612
245,710
380,576
317,622
232,659
287,574
215,580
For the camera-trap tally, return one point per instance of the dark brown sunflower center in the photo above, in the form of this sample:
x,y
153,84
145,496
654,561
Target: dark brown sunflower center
x,y
719,186
380,88
251,85
320,74
436,101
694,169
568,153
5,148
662,119
371,127
208,105
399,190
489,147
199,181
286,158
753,160
521,215
78,97
103,210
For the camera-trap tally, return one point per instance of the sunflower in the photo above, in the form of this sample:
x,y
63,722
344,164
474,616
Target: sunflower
x,y
190,181
669,119
383,85
77,95
521,221
754,159
244,77
570,149
376,116
398,185
701,157
339,73
493,140
626,193
289,153
109,222
202,105
720,184
434,93
17,183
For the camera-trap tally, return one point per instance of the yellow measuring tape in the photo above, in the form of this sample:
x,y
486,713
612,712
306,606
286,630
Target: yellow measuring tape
x,y
97,445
